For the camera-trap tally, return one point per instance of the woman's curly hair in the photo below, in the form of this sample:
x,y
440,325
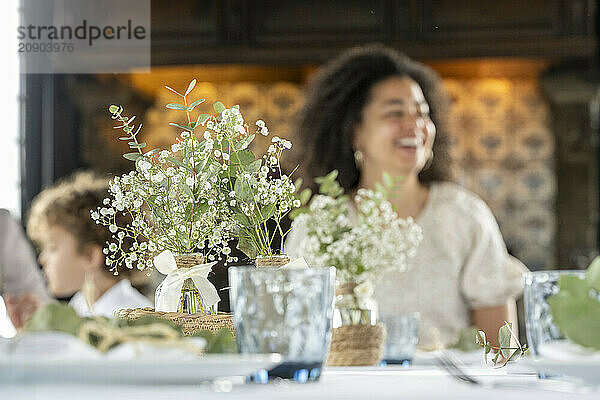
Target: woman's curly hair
x,y
335,98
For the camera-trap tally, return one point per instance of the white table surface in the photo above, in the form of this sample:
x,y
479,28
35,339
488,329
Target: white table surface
x,y
335,383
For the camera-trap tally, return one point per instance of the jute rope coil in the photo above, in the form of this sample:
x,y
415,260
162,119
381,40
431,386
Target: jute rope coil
x,y
356,345
345,289
273,261
189,323
189,260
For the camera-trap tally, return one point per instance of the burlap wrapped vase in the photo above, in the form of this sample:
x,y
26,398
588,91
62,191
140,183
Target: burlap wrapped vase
x,y
357,339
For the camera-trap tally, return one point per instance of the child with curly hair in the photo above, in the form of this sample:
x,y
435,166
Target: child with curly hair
x,y
72,247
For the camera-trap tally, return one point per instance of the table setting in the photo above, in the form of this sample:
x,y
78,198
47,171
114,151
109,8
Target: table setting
x,y
299,328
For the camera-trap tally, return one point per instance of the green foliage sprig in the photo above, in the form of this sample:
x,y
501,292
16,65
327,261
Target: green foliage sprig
x,y
175,199
362,236
207,189
62,318
504,349
576,307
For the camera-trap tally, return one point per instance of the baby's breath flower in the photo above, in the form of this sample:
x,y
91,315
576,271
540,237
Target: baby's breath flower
x,y
361,244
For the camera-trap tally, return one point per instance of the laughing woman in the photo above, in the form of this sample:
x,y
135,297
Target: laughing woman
x,y
373,110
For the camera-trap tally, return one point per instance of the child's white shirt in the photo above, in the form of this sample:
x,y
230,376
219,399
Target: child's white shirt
x,y
119,296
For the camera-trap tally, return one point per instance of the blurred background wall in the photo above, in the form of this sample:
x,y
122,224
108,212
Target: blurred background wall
x,y
523,78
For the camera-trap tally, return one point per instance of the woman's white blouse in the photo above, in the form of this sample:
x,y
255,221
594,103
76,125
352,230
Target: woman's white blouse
x,y
461,264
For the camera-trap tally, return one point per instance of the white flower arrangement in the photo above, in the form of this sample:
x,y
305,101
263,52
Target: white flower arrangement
x,y
197,196
362,239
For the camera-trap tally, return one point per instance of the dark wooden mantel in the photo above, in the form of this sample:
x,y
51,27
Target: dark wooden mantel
x,y
312,31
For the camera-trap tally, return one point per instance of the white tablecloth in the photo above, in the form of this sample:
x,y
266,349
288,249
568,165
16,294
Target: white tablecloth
x,y
338,383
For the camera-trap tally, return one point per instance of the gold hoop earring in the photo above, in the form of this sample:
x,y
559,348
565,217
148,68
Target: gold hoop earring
x,y
428,162
358,159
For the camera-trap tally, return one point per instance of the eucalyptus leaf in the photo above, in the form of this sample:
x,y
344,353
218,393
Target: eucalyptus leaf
x,y
158,212
202,118
201,208
253,167
132,156
179,163
487,349
194,104
174,91
242,157
468,339
187,128
186,189
592,275
298,184
514,356
305,195
381,189
575,312
247,246
243,144
125,138
332,176
267,212
165,183
495,359
328,185
190,87
388,181
243,220
221,342
150,200
504,340
55,317
219,107
176,106
242,189
153,151
295,212
189,211
183,239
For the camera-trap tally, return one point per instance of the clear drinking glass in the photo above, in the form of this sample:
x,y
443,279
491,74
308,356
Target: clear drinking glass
x,y
539,286
285,311
401,338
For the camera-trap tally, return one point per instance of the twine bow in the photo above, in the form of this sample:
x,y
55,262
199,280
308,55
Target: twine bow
x,y
168,299
155,334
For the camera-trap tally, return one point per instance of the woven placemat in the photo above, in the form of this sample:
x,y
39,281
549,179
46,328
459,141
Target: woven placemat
x,y
189,323
356,345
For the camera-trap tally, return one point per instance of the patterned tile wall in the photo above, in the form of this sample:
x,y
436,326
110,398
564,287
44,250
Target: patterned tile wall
x,y
504,150
502,144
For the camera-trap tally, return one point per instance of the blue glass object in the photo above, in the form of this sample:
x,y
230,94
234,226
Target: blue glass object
x,y
285,311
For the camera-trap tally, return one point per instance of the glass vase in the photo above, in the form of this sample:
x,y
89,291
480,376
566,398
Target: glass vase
x,y
350,309
190,300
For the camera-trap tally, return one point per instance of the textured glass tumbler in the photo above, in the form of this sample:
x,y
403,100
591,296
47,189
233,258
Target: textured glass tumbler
x,y
539,286
285,311
401,338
